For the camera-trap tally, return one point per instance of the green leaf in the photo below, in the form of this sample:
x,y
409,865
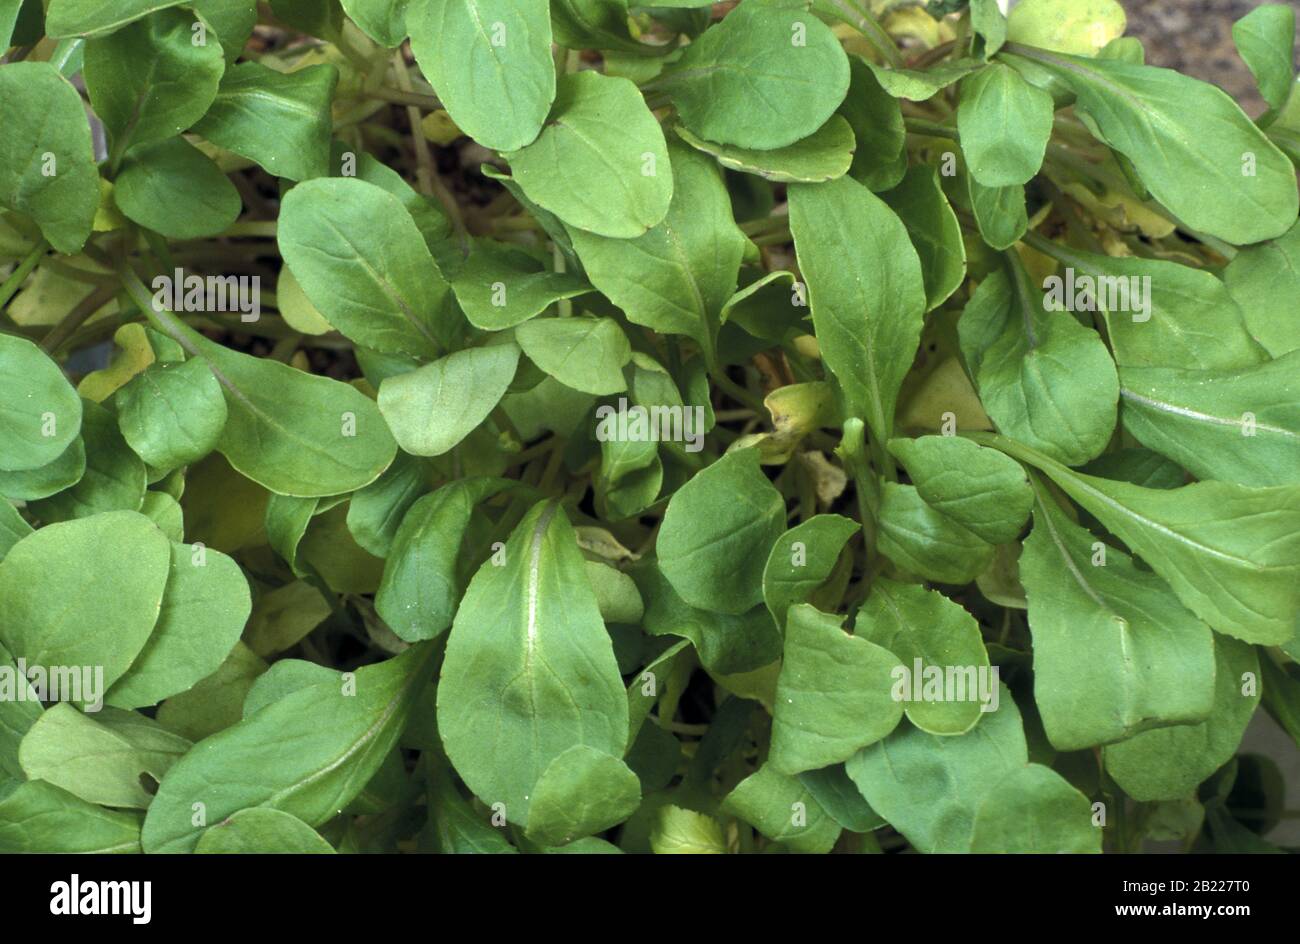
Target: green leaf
x,y
62,473
151,80
501,286
923,629
204,608
581,792
839,797
296,433
1169,763
925,542
783,810
1081,27
717,533
100,758
989,24
601,162
528,659
1115,652
423,578
686,265
40,413
936,235
337,737
587,354
825,154
216,702
490,63
88,17
1231,553
1263,279
384,21
172,188
280,120
994,100
13,528
1158,313
919,85
1188,142
768,75
362,263
283,617
684,832
262,830
930,788
867,302
172,414
1238,426
47,165
1265,37
40,817
726,644
880,159
431,409
802,560
53,586
1044,379
833,696
232,20
999,212
114,479
430,218
980,489
376,511
1034,810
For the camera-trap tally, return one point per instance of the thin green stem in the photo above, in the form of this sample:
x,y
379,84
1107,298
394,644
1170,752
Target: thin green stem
x,y
24,269
931,128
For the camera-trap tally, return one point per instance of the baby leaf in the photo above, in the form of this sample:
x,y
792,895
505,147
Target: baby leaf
x,y
1115,652
114,478
40,817
587,354
802,560
1168,763
384,21
837,795
685,832
307,754
47,167
204,608
149,81
600,163
13,528
87,17
867,306
280,120
499,286
993,100
687,264
1265,38
62,473
880,159
262,830
923,626
1262,279
434,407
978,488
53,587
833,696
999,212
582,791
1034,810
172,188
40,413
783,810
931,788
1044,378
718,532
1160,120
1233,425
936,235
172,414
824,155
529,661
768,75
924,542
1081,27
490,63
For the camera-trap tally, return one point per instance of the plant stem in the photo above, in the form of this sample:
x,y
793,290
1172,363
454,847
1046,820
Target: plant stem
x,y
865,23
77,317
931,128
19,275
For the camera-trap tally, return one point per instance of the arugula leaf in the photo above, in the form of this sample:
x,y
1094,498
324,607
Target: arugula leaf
x,y
40,413
1261,279
1081,27
587,354
1035,810
40,817
172,414
500,286
262,830
920,203
783,809
580,792
802,560
528,659
1265,37
992,100
88,17
825,154
172,188
925,542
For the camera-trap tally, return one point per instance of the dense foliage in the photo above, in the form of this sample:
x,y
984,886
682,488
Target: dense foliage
x,y
793,425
